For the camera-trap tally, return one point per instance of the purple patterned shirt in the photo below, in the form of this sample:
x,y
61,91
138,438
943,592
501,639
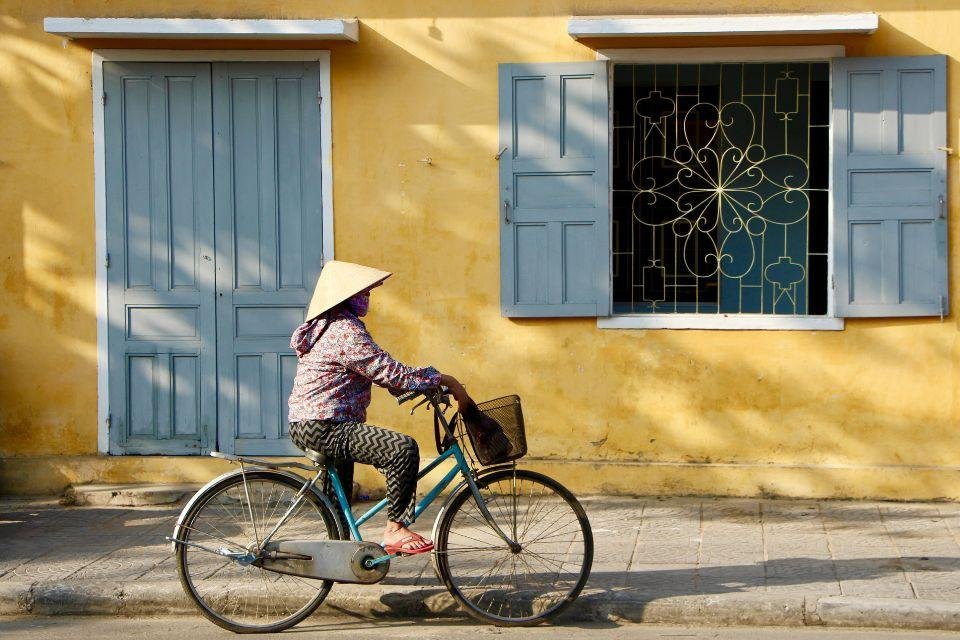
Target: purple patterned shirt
x,y
337,362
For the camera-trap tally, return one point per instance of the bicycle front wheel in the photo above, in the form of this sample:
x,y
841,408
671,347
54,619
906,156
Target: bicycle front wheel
x,y
517,587
235,594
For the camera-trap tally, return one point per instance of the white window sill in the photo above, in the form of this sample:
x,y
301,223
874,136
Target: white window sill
x,y
721,321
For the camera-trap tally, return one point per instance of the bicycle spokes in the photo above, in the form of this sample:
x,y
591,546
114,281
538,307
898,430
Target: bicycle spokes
x,y
539,576
220,551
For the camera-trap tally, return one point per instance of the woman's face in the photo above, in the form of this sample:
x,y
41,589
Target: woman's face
x,y
360,303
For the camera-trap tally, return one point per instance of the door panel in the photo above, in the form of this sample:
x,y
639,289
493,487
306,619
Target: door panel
x,y
269,238
159,179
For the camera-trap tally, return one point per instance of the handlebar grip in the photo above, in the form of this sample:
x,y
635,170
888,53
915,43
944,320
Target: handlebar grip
x,y
405,397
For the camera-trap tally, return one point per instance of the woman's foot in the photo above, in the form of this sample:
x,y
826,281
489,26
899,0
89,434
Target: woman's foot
x,y
399,539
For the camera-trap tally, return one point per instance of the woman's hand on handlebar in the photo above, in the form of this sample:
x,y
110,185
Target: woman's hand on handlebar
x,y
457,390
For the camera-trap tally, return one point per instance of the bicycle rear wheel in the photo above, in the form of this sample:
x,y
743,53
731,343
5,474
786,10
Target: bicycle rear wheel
x,y
239,596
542,578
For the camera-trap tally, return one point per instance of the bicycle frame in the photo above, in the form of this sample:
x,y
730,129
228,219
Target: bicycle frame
x,y
423,504
461,468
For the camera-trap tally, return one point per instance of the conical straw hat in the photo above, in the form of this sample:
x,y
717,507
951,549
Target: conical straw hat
x,y
339,281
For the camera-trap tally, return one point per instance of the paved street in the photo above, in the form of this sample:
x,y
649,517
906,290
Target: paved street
x,y
32,628
657,560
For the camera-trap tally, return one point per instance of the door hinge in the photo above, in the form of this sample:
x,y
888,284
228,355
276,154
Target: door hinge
x,y
833,281
103,98
319,98
106,261
109,420
942,203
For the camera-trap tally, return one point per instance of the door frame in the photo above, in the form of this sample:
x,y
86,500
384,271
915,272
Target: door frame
x,y
97,58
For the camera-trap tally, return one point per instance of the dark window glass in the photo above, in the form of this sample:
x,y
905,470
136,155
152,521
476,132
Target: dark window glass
x,y
720,188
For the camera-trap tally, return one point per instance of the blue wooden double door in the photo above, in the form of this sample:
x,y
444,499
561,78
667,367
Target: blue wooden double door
x,y
213,238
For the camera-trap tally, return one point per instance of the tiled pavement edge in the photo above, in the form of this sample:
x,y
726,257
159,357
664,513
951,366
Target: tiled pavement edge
x,y
683,560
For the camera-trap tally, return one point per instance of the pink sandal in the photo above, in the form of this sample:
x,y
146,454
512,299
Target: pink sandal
x,y
400,547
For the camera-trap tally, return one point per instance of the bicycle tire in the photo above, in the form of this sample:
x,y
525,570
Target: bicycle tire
x,y
459,505
329,521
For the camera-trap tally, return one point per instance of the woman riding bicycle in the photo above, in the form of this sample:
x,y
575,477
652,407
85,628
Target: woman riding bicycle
x,y
337,361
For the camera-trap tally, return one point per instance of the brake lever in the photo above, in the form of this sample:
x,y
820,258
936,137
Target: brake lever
x,y
424,401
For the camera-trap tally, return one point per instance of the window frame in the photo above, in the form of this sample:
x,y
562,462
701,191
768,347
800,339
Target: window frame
x,y
726,321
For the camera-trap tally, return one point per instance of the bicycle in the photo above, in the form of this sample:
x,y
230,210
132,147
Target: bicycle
x,y
259,549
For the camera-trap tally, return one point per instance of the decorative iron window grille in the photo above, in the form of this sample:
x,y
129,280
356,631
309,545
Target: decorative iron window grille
x,y
720,175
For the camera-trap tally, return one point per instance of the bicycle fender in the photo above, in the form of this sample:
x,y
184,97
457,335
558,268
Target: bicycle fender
x,y
463,486
229,474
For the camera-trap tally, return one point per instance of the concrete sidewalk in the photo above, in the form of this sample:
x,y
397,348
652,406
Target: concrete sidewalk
x,y
689,561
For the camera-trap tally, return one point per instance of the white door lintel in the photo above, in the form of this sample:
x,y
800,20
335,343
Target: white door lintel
x,y
205,28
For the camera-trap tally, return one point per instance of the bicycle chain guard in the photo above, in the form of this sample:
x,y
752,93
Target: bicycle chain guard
x,y
337,560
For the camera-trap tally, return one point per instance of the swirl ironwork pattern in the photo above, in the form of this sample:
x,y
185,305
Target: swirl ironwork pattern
x,y
720,188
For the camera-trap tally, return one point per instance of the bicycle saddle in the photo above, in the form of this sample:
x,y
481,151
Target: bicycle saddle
x,y
319,459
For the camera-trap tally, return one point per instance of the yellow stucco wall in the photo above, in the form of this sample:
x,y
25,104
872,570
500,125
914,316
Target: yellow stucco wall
x,y
869,411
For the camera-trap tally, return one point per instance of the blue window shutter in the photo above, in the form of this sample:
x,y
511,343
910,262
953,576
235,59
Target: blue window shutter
x,y
554,190
889,191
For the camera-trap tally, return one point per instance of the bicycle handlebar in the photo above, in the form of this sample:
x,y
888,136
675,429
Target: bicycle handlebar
x,y
410,395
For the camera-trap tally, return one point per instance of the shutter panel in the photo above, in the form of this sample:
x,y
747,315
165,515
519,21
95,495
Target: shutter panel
x,y
889,118
554,190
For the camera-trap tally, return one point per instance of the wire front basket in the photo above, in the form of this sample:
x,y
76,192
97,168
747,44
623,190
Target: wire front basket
x,y
500,442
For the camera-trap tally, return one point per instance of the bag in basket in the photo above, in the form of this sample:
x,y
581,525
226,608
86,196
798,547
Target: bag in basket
x,y
489,436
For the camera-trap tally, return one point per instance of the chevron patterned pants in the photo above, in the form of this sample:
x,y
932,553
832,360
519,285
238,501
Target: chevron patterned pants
x,y
395,455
